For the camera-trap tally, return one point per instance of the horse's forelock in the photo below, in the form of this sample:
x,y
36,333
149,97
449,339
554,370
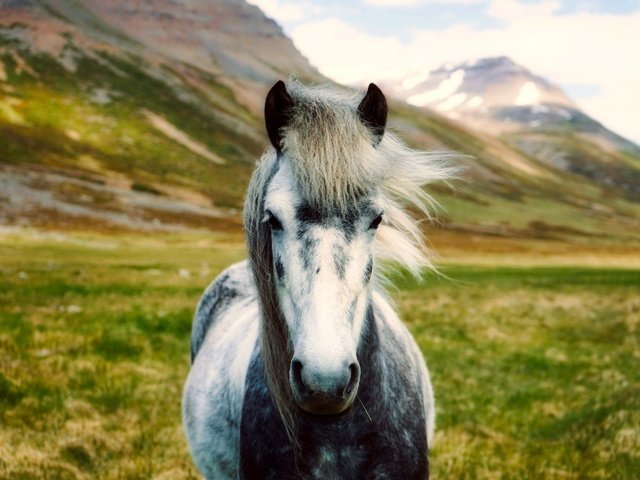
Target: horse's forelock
x,y
330,150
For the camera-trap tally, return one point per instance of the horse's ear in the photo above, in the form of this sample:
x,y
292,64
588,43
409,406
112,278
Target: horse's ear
x,y
277,112
373,111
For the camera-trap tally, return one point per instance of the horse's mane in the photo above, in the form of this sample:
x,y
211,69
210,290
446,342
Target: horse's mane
x,y
336,160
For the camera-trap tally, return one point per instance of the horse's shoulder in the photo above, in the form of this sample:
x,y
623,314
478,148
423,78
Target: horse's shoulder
x,y
232,285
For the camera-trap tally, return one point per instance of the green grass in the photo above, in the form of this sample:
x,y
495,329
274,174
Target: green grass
x,y
534,368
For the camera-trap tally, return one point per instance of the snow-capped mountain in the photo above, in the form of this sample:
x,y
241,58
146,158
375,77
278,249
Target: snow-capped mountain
x,y
491,94
478,86
499,97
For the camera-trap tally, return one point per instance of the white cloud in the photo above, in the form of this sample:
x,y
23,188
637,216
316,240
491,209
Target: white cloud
x,y
392,3
410,3
583,48
281,11
514,10
347,55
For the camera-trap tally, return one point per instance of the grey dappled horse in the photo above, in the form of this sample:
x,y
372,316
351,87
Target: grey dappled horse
x,y
300,366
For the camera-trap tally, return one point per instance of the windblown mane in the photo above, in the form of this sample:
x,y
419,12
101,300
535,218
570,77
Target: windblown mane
x,y
336,161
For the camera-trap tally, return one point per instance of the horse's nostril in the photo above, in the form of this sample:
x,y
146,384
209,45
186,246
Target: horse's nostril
x,y
354,378
296,373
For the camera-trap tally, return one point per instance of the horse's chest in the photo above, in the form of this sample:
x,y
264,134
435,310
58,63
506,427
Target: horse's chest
x,y
346,447
331,461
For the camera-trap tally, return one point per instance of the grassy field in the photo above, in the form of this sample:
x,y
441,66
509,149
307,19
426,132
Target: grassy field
x,y
535,368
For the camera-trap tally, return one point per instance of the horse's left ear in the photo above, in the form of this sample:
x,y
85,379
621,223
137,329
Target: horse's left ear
x,y
373,111
277,112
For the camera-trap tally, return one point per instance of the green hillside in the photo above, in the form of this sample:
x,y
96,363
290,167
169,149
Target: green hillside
x,y
94,120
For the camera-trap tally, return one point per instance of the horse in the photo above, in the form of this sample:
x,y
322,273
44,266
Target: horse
x,y
300,367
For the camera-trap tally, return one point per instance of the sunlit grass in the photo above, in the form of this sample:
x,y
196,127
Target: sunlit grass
x,y
535,368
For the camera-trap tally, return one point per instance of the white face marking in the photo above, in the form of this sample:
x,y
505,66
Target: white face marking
x,y
322,266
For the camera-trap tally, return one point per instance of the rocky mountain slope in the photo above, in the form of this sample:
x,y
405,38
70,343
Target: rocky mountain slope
x,y
147,115
147,98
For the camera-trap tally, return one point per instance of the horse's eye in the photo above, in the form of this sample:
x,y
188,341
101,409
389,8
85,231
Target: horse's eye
x,y
274,223
374,225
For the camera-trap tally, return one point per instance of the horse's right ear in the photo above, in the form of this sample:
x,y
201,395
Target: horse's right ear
x,y
277,112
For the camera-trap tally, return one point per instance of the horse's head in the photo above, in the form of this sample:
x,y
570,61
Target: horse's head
x,y
322,253
311,215
323,262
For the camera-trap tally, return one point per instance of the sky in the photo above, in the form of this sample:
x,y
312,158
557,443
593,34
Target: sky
x,y
588,47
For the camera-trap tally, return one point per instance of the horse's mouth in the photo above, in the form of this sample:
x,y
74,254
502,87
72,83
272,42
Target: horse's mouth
x,y
330,416
319,404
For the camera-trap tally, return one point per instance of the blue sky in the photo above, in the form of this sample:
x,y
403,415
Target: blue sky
x,y
589,47
400,18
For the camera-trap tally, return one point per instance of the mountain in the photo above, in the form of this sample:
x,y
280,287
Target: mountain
x,y
497,96
217,38
103,104
148,116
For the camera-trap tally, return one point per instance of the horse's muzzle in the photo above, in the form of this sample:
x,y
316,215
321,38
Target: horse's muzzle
x,y
325,392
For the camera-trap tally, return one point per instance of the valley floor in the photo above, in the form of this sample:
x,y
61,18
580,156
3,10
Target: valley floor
x,y
533,348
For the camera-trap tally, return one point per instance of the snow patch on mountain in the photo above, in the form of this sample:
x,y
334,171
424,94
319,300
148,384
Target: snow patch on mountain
x,y
415,80
445,89
529,94
452,102
475,102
